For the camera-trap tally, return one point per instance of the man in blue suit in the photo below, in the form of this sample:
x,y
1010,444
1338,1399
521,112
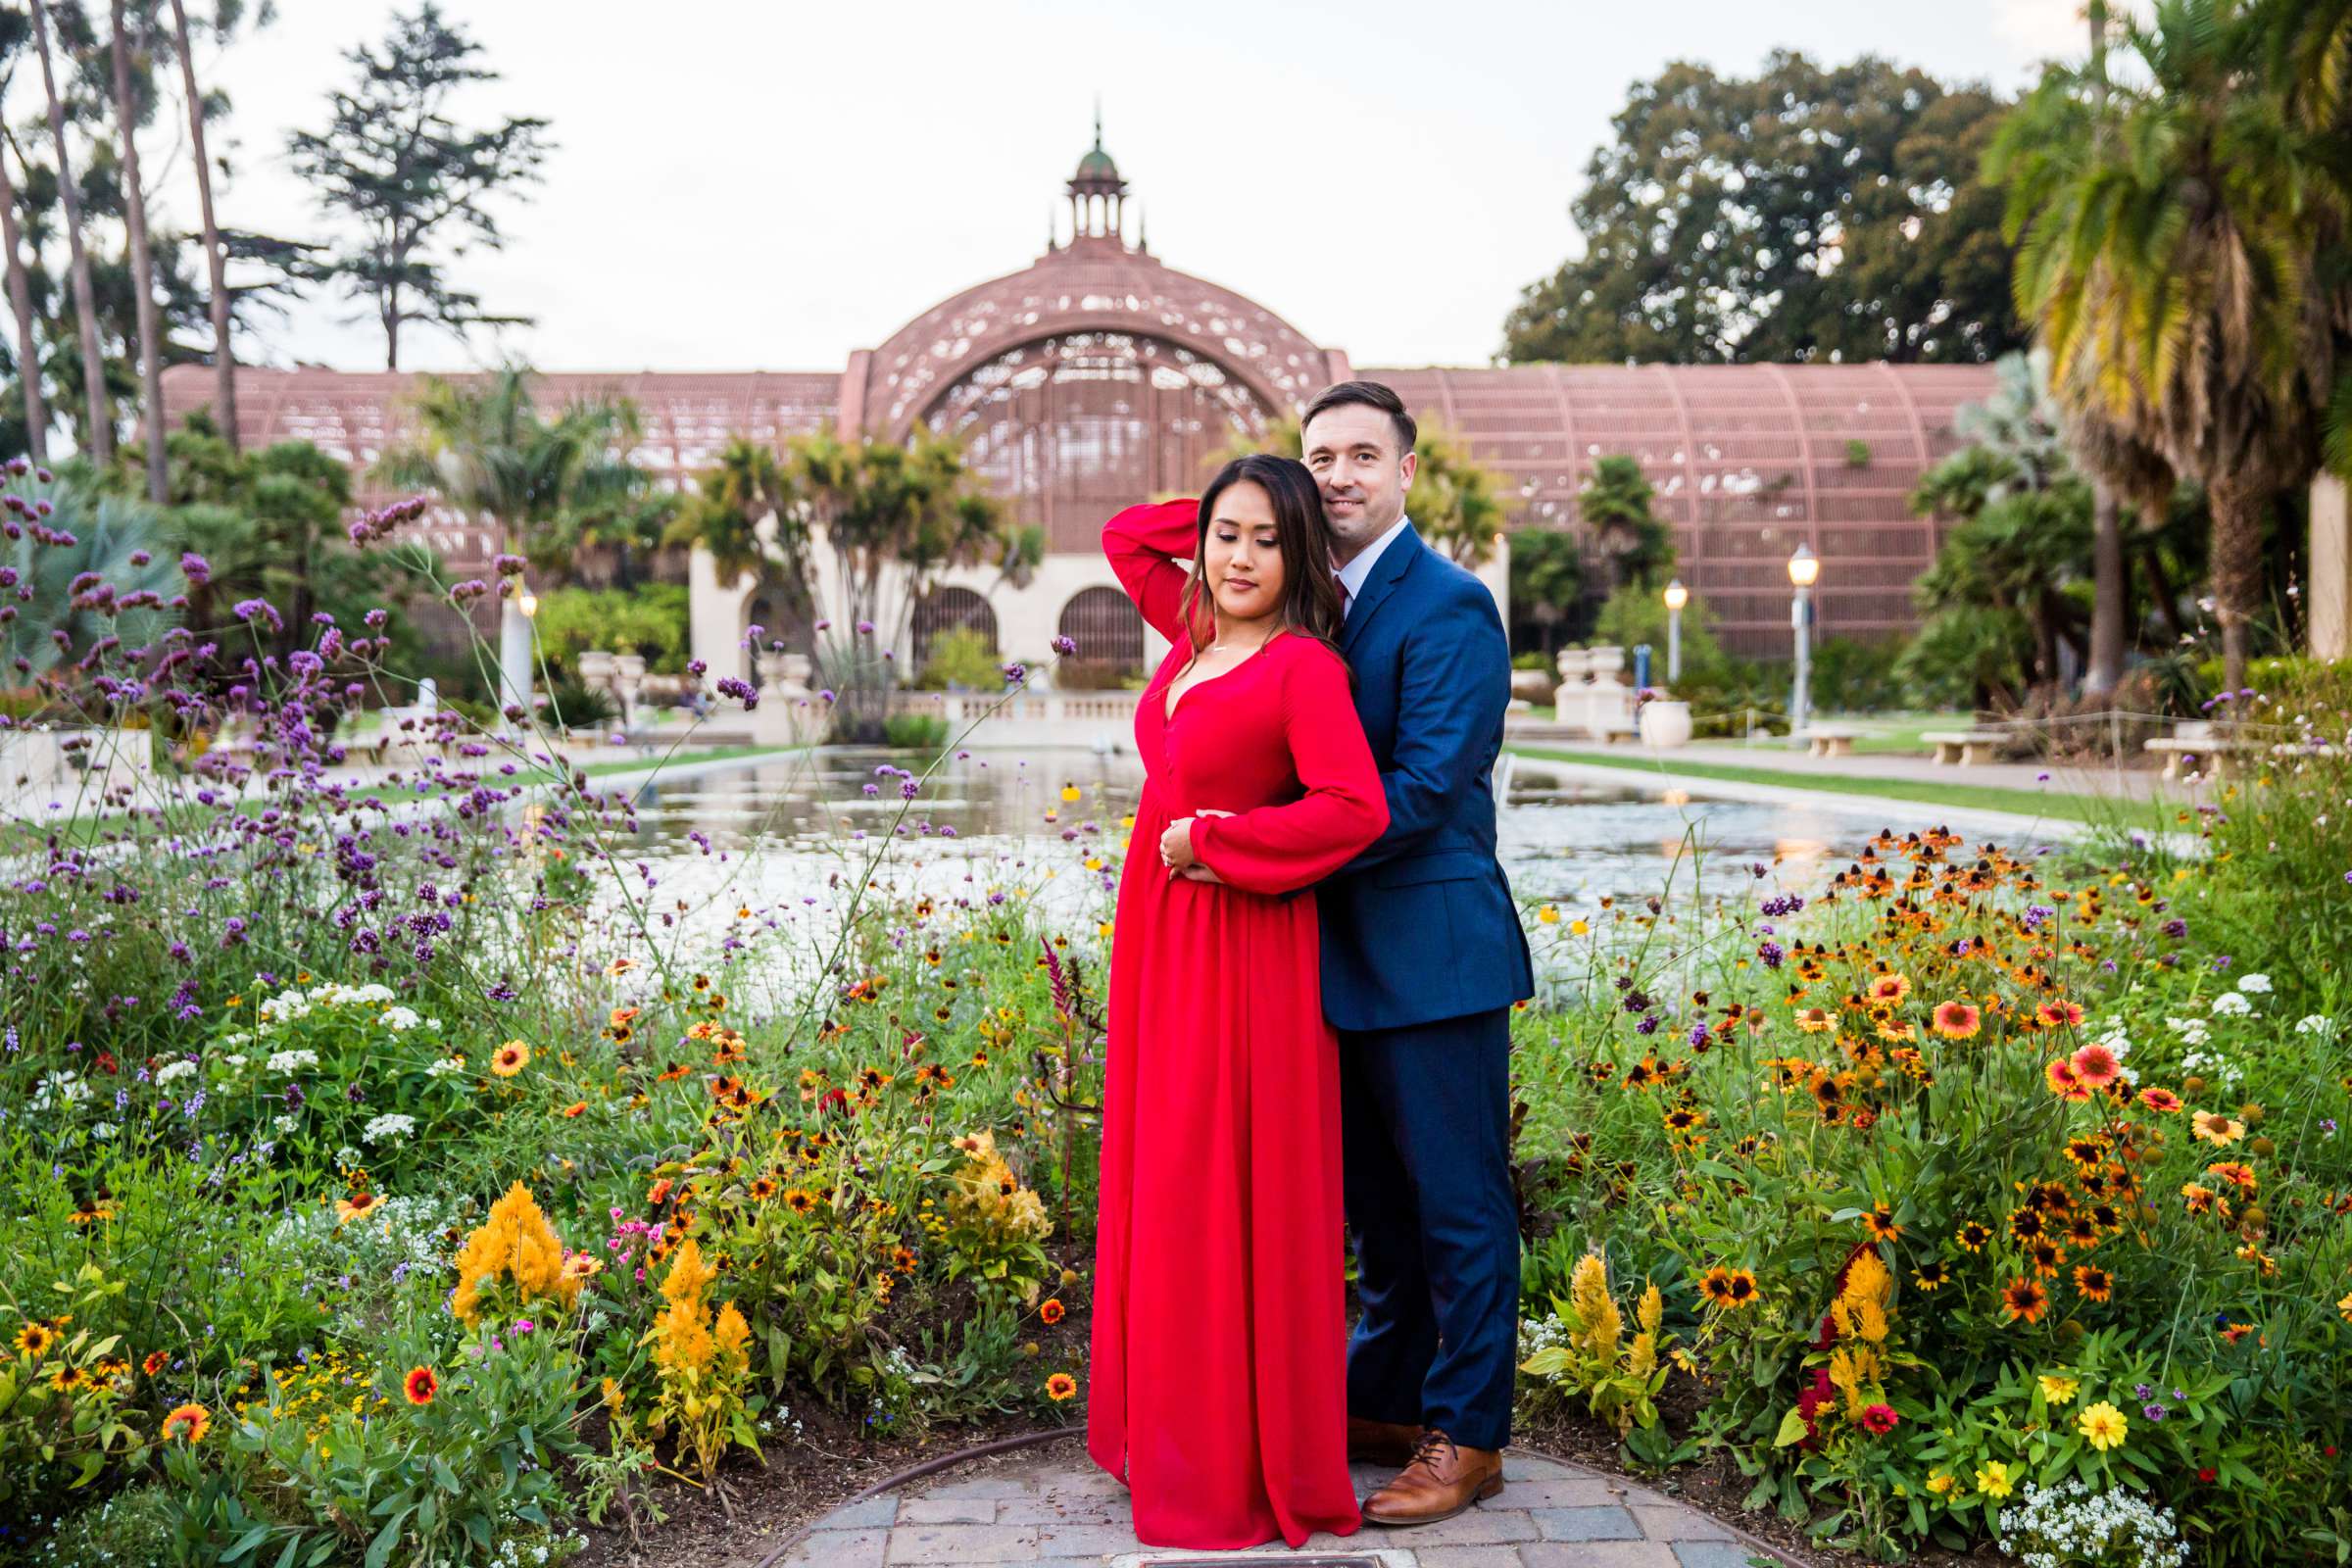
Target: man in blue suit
x,y
1423,956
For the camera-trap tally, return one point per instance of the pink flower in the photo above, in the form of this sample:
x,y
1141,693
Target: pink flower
x,y
1879,1419
2096,1065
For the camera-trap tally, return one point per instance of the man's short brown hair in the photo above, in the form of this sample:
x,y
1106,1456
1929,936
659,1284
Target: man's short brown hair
x,y
1372,395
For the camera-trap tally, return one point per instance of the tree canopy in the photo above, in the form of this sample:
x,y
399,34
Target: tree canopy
x,y
1807,213
416,184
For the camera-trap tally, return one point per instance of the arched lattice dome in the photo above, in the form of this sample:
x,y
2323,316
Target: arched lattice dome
x,y
1094,284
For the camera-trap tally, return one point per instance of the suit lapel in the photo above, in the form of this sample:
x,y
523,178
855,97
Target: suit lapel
x,y
1395,561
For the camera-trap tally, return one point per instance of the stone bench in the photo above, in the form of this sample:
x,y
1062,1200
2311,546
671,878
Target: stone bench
x,y
1968,748
1830,740
2177,749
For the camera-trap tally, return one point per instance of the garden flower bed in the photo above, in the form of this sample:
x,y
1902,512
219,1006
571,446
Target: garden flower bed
x,y
398,1171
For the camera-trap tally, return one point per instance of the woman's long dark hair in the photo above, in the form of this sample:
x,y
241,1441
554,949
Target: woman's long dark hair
x,y
1310,597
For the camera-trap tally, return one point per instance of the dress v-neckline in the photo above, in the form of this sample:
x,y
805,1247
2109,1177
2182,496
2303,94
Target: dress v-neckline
x,y
1169,709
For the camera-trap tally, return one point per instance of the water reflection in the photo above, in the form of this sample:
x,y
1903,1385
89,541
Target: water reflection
x,y
1561,841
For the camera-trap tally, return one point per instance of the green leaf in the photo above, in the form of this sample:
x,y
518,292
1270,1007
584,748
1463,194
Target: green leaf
x,y
246,1542
1792,1429
379,1550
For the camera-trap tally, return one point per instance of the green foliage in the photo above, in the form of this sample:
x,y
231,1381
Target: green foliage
x,y
1635,615
2176,218
414,184
109,532
649,620
1965,658
748,488
448,1481
1548,579
1709,221
1614,505
132,1529
486,449
1857,453
960,659
923,732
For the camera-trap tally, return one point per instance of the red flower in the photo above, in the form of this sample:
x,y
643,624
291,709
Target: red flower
x,y
421,1385
1879,1419
2206,1474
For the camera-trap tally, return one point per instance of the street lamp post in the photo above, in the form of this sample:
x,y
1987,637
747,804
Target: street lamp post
x,y
520,679
1677,596
1803,568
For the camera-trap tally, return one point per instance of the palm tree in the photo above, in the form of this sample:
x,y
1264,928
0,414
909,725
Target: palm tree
x,y
1614,504
20,304
2166,257
142,261
216,259
100,436
724,516
484,448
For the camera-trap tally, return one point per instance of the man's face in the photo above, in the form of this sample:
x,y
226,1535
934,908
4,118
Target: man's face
x,y
1351,450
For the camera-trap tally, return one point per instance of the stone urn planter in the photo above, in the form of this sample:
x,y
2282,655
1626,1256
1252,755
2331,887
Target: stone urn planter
x,y
1665,724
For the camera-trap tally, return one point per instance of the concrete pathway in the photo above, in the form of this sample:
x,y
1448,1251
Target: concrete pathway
x,y
1053,1507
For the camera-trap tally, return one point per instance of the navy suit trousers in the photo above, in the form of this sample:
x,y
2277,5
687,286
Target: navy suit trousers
x,y
1425,1112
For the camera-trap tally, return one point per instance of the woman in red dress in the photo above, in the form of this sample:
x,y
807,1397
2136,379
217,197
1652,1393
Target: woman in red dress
x,y
1219,1335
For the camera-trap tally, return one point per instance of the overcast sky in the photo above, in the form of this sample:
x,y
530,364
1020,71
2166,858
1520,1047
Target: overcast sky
x,y
756,184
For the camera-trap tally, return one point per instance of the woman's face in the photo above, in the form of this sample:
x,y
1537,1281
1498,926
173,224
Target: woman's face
x,y
1242,562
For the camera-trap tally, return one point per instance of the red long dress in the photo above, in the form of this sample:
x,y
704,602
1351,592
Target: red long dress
x,y
1219,1335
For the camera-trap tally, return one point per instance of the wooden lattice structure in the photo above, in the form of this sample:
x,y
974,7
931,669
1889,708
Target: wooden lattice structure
x,y
1098,375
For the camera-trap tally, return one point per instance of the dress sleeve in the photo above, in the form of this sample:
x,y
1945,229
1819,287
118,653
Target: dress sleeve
x,y
1279,849
1150,548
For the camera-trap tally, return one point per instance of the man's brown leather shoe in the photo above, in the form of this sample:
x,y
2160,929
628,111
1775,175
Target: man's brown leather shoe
x,y
1441,1481
1372,1441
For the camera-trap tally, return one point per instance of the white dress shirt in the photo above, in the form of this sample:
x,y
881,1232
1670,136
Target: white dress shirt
x,y
1353,575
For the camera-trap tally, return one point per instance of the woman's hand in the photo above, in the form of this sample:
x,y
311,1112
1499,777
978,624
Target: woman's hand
x,y
1176,846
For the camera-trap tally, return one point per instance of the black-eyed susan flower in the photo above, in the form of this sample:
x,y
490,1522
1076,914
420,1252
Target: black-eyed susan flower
x,y
2092,1283
800,1201
1881,1223
35,1339
1931,1275
2024,1300
1973,1236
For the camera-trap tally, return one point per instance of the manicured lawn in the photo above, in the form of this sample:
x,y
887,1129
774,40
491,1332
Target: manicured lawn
x,y
2101,810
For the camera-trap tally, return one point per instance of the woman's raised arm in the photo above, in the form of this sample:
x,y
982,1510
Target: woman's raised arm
x,y
1150,548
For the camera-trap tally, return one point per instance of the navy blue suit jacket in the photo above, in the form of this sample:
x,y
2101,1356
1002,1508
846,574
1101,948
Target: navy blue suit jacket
x,y
1421,926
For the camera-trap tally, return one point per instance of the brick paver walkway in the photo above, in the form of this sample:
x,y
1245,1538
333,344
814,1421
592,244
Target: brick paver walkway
x,y
1051,1507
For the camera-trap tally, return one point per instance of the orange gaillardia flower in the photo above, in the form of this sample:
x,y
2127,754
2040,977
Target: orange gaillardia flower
x,y
1061,1386
421,1385
1053,1310
2217,1129
2160,1099
350,1209
188,1423
1956,1020
509,1059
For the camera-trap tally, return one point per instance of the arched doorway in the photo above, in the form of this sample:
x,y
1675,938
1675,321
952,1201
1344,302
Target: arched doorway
x,y
1109,635
945,610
